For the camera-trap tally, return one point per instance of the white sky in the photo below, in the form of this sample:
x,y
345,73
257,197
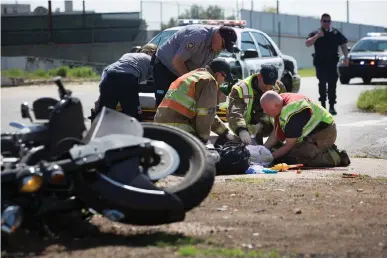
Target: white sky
x,y
371,12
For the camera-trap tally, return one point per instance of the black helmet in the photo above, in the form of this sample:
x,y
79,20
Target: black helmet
x,y
234,159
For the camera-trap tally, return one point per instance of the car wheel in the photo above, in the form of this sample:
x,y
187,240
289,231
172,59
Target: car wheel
x,y
288,82
344,80
367,80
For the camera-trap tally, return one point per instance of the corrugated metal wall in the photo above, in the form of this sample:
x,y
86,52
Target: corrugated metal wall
x,y
70,28
295,29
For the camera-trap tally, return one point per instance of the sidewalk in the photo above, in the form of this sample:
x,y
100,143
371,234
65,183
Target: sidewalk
x,y
364,166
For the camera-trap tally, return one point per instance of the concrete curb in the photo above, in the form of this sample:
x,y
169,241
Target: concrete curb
x,y
376,168
15,82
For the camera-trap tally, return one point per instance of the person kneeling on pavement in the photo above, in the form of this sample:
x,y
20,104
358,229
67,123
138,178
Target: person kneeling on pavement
x,y
307,130
191,101
244,113
120,82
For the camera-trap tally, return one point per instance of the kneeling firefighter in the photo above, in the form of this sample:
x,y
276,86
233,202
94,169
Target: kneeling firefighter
x,y
191,101
244,113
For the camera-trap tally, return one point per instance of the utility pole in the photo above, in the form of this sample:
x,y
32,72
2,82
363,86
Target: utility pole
x,y
251,13
141,16
83,13
237,11
279,26
178,11
161,16
49,22
347,11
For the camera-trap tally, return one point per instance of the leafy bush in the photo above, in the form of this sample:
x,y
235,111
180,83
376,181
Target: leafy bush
x,y
373,100
63,71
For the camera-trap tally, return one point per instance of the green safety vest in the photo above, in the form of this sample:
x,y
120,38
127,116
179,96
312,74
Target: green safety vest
x,y
246,92
319,114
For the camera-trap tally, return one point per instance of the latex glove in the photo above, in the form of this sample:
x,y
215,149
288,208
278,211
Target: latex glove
x,y
213,156
258,127
245,137
230,137
265,155
209,145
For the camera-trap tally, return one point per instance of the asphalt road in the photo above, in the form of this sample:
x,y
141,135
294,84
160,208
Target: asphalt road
x,y
361,134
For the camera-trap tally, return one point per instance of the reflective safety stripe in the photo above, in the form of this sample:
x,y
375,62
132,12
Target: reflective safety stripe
x,y
186,127
181,94
202,111
169,103
245,91
277,87
335,156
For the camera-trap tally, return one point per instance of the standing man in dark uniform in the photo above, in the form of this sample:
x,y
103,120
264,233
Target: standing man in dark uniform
x,y
326,41
190,48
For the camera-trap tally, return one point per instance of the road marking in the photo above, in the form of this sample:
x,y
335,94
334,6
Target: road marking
x,y
382,121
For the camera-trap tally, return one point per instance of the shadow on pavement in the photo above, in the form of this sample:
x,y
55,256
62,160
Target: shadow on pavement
x,y
362,84
25,244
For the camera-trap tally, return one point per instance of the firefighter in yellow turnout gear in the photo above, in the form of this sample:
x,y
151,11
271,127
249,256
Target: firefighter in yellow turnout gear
x,y
244,113
191,101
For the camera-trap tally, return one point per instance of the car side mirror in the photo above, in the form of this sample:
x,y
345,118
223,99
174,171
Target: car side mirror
x,y
250,53
25,111
349,49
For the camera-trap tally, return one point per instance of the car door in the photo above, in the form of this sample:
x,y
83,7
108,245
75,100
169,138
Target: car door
x,y
250,64
268,53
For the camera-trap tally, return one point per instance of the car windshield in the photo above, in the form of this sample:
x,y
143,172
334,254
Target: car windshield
x,y
370,45
162,37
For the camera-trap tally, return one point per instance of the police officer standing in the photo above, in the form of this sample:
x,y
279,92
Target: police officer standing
x,y
190,48
326,41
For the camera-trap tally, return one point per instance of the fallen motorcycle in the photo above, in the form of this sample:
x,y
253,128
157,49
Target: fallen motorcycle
x,y
58,166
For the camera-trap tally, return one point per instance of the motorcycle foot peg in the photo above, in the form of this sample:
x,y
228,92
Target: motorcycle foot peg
x,y
113,215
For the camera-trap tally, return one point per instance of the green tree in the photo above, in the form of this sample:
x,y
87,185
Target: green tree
x,y
171,23
197,12
269,9
214,12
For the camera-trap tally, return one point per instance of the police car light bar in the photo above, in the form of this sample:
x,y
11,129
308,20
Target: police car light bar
x,y
376,34
236,23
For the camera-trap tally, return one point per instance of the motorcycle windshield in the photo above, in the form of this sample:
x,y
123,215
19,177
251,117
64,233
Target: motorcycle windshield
x,y
110,121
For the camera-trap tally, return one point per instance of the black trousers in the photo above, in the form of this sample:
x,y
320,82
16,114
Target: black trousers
x,y
163,78
327,75
122,88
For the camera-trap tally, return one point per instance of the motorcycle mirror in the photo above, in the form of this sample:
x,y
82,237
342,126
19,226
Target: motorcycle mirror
x,y
62,91
25,111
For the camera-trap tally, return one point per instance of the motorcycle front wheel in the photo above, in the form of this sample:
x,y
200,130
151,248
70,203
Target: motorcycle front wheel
x,y
195,166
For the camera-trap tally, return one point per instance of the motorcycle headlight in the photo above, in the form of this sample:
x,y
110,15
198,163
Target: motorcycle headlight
x,y
31,183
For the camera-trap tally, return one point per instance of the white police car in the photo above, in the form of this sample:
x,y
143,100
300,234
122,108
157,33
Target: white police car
x,y
367,59
253,49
